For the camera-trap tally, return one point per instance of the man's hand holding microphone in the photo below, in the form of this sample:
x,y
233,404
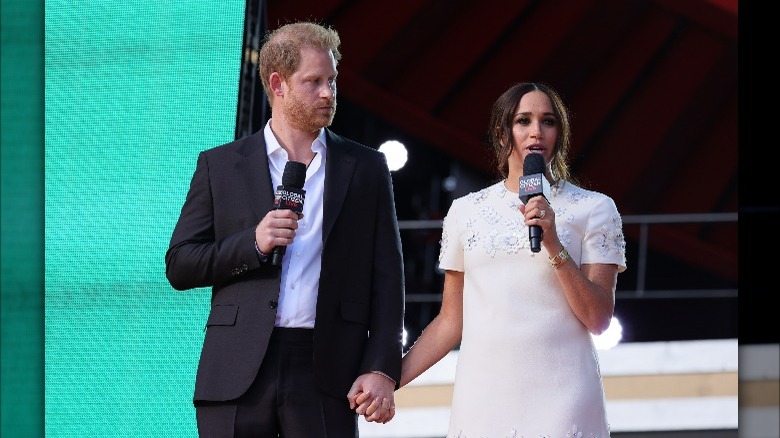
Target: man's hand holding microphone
x,y
278,227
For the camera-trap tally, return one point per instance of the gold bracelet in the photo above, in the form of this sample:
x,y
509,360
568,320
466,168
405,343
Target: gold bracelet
x,y
558,259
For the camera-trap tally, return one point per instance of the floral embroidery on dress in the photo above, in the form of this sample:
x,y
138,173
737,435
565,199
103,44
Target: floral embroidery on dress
x,y
507,238
515,234
511,241
562,214
575,197
492,242
470,236
477,197
618,240
611,238
564,235
443,243
490,215
513,202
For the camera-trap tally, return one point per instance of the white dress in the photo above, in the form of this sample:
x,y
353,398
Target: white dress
x,y
527,367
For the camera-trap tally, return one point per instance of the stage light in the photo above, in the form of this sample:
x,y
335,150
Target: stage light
x,y
610,337
449,184
396,154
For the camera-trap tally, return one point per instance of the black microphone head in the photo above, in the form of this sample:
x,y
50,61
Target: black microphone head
x,y
294,174
533,163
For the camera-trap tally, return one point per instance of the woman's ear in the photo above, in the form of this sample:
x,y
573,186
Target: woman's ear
x,y
502,140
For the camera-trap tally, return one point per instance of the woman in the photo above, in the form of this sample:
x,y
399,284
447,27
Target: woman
x,y
527,366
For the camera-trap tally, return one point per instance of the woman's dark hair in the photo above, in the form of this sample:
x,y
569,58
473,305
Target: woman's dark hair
x,y
500,137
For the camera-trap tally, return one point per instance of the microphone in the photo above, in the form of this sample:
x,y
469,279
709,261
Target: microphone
x,y
533,183
289,196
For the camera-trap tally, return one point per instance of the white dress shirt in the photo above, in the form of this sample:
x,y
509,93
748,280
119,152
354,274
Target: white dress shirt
x,y
302,260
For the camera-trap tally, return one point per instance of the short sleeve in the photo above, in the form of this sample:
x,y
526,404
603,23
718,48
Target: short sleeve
x,y
451,252
604,241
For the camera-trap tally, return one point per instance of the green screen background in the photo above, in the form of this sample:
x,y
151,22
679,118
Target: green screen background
x,y
133,91
21,291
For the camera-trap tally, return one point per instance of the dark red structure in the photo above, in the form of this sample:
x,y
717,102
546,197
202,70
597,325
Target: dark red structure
x,y
653,86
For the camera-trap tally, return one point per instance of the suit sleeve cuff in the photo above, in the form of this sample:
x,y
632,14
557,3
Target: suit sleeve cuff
x,y
261,256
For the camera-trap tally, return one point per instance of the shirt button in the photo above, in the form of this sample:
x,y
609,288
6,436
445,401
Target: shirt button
x,y
272,304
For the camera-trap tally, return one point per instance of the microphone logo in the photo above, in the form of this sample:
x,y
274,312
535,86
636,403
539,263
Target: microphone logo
x,y
531,184
289,199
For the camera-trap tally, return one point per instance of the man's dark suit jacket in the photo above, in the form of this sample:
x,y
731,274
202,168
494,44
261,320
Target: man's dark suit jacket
x,y
360,304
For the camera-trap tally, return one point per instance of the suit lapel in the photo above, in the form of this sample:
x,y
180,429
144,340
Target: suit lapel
x,y
254,167
339,167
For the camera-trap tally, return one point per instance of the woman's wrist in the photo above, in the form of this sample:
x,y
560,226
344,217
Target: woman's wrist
x,y
559,258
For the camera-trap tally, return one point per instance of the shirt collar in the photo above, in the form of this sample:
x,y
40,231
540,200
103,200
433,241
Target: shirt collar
x,y
272,146
320,144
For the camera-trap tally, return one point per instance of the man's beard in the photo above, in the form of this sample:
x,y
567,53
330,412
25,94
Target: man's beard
x,y
308,117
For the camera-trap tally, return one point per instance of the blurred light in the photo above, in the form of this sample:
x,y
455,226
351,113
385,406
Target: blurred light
x,y
396,154
610,337
450,183
404,337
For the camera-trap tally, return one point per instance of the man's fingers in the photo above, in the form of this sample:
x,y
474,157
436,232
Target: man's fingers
x,y
353,393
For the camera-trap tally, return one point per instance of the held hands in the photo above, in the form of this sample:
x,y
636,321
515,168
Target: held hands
x,y
277,228
372,397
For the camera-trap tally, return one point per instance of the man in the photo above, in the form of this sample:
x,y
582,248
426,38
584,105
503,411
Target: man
x,y
285,345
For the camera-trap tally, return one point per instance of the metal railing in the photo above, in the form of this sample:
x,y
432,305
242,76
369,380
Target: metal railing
x,y
644,222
